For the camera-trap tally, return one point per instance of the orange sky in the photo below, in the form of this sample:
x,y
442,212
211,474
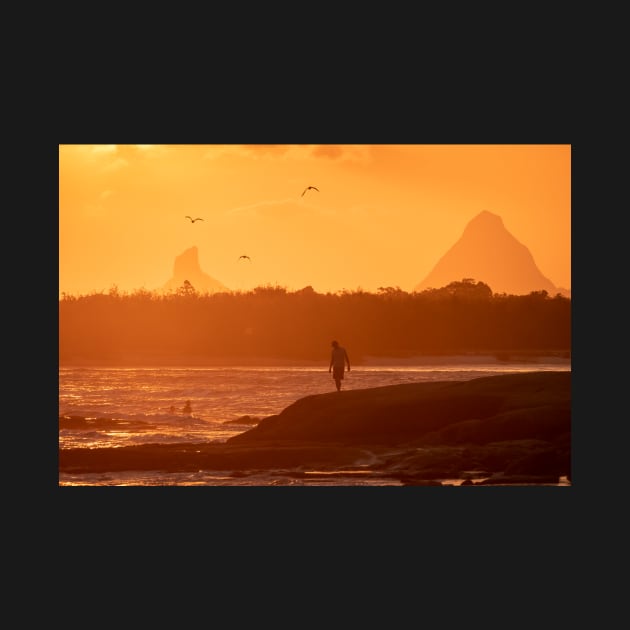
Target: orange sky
x,y
384,214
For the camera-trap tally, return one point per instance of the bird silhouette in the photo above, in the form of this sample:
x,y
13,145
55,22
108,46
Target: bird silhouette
x,y
193,220
309,188
246,257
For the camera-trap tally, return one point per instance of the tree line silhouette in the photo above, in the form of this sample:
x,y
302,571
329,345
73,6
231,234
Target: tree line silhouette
x,y
464,317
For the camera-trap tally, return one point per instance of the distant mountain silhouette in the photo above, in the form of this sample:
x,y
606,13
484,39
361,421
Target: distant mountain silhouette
x,y
187,267
487,252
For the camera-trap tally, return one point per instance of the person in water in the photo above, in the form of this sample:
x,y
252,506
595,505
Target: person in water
x,y
338,361
187,408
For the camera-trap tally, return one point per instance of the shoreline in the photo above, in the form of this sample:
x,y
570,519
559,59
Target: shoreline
x,y
498,358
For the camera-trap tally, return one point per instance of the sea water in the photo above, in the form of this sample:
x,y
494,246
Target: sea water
x,y
124,406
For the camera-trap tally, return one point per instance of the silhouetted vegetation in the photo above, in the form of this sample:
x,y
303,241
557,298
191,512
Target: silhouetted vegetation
x,y
463,317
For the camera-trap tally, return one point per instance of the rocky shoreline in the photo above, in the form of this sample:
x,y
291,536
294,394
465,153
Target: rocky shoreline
x,y
496,430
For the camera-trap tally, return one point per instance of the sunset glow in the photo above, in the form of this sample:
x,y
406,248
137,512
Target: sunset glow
x,y
381,215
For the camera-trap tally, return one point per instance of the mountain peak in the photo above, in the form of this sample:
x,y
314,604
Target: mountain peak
x,y
487,252
186,267
187,261
486,217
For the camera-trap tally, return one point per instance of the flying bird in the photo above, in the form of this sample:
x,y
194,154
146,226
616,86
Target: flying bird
x,y
309,188
246,257
193,220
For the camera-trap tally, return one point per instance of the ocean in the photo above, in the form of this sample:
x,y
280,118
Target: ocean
x,y
142,405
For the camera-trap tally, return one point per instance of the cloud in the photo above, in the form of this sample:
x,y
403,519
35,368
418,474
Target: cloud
x,y
343,152
335,152
114,157
105,157
267,150
126,152
103,149
332,151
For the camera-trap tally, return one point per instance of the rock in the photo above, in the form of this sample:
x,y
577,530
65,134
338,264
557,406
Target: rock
x,y
532,405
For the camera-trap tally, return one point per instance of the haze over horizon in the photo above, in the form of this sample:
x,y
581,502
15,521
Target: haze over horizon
x,y
382,215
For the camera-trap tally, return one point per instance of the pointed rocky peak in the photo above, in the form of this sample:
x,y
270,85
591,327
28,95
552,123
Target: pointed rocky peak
x,y
186,268
486,220
487,226
487,252
187,262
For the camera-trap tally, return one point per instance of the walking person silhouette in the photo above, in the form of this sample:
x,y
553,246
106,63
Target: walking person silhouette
x,y
338,361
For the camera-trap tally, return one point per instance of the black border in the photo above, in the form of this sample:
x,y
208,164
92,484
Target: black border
x,y
408,109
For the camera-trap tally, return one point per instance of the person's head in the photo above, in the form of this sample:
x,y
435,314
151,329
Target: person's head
x,y
334,344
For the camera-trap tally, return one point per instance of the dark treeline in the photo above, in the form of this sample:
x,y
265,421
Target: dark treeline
x,y
270,322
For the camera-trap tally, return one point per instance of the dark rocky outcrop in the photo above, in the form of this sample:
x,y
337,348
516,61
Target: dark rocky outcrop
x,y
506,429
489,409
